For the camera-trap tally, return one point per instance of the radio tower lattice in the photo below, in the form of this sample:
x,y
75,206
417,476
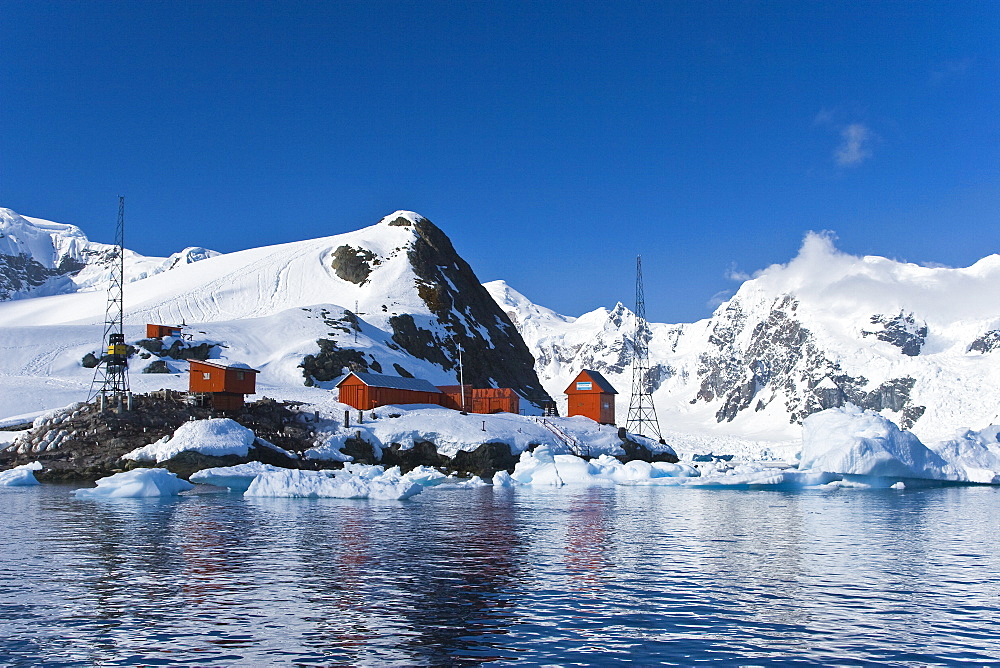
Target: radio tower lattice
x,y
111,374
641,412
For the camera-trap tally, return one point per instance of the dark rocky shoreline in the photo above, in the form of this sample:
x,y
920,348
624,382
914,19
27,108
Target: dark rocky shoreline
x,y
81,443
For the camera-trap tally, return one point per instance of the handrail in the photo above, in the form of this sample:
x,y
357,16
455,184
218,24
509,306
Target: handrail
x,y
569,441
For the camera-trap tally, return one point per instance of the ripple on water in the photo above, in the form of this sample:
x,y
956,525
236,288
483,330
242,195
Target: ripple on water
x,y
596,575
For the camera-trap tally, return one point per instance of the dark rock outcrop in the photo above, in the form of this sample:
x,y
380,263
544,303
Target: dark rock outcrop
x,y
353,264
901,331
494,355
986,343
330,361
22,273
782,362
83,443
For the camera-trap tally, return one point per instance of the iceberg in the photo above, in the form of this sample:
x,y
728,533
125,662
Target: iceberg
x,y
20,476
236,478
136,483
340,484
540,467
856,442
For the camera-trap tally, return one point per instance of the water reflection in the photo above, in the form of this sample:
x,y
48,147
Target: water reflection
x,y
592,575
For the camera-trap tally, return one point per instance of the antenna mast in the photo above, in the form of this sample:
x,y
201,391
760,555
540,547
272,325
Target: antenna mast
x,y
111,373
641,412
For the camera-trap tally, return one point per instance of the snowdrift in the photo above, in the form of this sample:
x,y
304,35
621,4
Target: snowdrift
x,y
452,432
215,437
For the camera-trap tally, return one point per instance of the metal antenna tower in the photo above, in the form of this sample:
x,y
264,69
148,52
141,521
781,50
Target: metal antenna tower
x,y
111,373
641,412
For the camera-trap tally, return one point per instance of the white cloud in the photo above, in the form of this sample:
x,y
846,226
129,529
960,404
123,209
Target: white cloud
x,y
855,145
719,298
735,274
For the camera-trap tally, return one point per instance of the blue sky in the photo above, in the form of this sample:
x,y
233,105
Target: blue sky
x,y
551,141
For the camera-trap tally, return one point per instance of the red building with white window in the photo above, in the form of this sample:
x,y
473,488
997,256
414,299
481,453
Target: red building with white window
x,y
591,395
225,384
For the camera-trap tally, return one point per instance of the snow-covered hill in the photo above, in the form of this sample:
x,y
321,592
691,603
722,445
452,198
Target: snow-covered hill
x,y
393,298
914,343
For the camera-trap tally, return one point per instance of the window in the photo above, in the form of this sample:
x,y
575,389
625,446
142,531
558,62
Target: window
x,y
239,375
207,375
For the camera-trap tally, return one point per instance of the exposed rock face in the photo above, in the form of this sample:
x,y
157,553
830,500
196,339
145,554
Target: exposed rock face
x,y
353,264
902,331
20,273
330,361
178,350
82,443
986,343
782,362
493,353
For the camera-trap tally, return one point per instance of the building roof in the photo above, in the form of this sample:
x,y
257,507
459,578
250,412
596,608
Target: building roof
x,y
394,382
222,364
602,383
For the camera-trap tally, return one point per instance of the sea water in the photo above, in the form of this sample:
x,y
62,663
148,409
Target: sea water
x,y
585,576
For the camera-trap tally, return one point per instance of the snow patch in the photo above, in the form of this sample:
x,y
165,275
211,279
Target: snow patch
x,y
215,437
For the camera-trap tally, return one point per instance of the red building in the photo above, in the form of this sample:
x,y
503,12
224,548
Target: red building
x,y
366,391
225,384
480,400
159,331
591,395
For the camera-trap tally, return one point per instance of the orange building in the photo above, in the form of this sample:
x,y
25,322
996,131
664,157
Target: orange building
x,y
480,400
226,384
591,395
366,391
159,331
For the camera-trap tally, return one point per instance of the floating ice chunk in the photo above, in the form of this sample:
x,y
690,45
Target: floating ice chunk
x,y
974,455
236,478
503,479
474,481
332,484
216,437
537,468
541,467
898,485
20,476
853,441
136,483
426,476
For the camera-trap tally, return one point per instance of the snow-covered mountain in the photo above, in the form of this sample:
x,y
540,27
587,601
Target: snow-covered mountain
x,y
391,298
912,342
39,257
918,344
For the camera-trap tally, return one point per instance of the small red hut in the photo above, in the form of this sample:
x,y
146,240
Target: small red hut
x,y
159,331
366,391
225,384
591,395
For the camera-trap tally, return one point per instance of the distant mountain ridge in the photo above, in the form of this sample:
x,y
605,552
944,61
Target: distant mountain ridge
x,y
39,257
826,329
